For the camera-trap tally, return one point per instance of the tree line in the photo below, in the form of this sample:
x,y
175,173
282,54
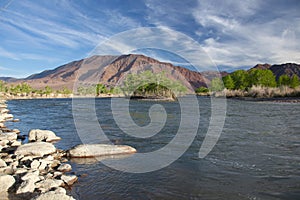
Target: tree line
x,y
24,88
243,80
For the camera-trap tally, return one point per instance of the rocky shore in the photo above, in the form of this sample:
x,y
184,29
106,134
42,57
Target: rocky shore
x,y
37,170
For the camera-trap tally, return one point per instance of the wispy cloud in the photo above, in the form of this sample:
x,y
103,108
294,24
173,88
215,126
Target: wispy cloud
x,y
244,35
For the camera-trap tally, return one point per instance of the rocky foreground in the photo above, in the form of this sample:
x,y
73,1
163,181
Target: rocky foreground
x,y
37,170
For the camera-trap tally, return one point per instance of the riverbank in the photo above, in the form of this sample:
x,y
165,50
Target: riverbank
x,y
36,170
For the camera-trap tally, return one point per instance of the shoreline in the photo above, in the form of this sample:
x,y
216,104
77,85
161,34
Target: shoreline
x,y
36,170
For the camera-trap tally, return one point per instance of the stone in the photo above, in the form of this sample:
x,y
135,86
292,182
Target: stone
x,y
92,150
3,142
2,125
6,181
28,184
5,110
53,195
56,174
69,180
21,171
48,184
25,187
17,131
36,149
42,135
16,143
2,163
8,136
44,164
54,163
35,164
64,167
60,190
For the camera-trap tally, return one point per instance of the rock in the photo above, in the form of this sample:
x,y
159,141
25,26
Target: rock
x,y
33,176
2,125
28,184
5,110
44,164
3,142
92,150
56,174
2,163
21,171
60,190
17,131
69,180
53,195
36,149
35,164
42,135
15,120
55,163
47,184
16,144
64,167
6,181
8,136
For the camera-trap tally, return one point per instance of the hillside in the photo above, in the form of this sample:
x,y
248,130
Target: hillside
x,y
110,70
289,69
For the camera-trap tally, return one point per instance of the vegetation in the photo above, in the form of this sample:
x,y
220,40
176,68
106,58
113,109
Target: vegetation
x,y
228,82
255,83
202,90
25,89
216,85
148,84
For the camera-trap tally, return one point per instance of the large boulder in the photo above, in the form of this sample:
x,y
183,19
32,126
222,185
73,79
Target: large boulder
x,y
6,181
35,149
93,150
37,135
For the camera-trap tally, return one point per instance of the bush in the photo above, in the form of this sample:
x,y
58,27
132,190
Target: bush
x,y
202,90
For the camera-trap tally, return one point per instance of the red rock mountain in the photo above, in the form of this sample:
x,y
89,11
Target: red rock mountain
x,y
110,70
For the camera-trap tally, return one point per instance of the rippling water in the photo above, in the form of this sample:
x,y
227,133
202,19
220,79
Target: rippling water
x,y
257,156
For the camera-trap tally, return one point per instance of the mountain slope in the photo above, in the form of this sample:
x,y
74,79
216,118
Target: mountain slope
x,y
289,69
111,70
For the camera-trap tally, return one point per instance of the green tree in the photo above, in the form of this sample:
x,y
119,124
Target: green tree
x,y
47,90
228,82
202,90
294,82
284,80
101,89
2,86
216,85
262,77
240,79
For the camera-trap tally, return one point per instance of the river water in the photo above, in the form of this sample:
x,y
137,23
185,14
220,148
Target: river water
x,y
256,157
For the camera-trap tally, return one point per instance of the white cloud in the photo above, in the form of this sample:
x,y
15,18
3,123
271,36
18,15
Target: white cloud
x,y
242,38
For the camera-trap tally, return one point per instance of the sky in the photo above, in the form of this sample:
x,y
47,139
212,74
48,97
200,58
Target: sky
x,y
41,35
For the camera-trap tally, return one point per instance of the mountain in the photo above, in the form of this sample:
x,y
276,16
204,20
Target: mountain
x,y
289,69
8,79
111,70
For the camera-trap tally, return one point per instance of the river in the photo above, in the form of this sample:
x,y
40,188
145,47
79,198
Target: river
x,y
256,157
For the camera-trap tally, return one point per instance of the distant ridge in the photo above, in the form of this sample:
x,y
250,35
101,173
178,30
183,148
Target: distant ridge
x,y
289,69
109,70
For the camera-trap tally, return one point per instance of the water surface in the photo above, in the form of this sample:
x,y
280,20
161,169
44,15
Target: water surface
x,y
257,156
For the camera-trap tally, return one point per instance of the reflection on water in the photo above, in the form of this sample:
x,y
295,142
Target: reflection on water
x,y
257,156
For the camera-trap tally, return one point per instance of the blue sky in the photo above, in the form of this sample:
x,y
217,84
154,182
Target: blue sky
x,y
39,35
